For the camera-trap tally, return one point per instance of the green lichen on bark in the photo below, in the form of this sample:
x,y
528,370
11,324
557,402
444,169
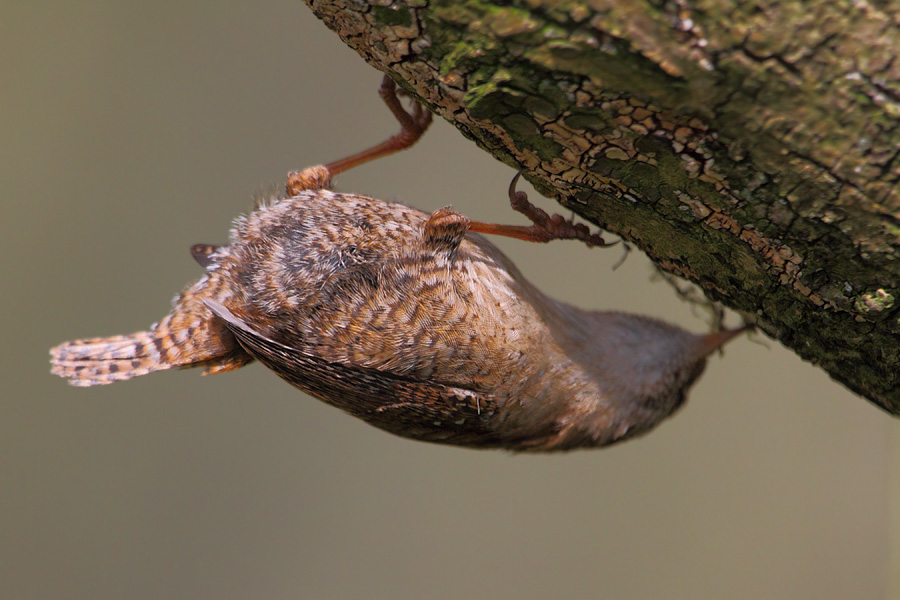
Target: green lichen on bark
x,y
751,147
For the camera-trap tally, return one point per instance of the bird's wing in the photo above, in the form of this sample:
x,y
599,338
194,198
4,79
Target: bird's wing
x,y
427,411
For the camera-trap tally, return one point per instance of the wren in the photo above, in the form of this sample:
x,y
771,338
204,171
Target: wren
x,y
410,321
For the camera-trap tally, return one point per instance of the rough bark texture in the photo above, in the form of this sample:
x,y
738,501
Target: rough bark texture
x,y
751,147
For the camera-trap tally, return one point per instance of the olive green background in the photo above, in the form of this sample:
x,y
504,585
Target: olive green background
x,y
130,132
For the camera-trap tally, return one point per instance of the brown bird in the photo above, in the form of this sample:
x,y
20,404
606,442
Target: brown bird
x,y
410,322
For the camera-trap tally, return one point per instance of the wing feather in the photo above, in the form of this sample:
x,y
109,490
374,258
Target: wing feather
x,y
426,411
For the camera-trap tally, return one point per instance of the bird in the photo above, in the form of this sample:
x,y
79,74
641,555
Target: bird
x,y
411,321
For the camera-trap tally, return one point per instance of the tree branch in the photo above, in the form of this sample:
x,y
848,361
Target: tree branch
x,y
750,147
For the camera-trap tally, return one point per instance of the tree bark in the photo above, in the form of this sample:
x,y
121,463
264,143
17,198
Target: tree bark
x,y
751,147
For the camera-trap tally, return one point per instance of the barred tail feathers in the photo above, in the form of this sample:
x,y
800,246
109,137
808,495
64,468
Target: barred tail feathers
x,y
190,336
98,361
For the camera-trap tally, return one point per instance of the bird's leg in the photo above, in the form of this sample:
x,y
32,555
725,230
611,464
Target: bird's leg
x,y
310,178
544,227
412,125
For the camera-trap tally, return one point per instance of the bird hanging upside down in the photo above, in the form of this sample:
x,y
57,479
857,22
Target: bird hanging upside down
x,y
411,322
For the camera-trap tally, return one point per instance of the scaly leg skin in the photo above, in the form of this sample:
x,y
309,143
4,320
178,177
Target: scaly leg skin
x,y
412,126
544,227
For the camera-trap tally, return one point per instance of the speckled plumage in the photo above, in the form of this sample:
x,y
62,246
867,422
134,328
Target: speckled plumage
x,y
409,322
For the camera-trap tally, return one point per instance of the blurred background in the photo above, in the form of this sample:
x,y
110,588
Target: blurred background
x,y
131,131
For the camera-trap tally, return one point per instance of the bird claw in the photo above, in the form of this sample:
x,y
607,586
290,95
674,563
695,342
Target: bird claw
x,y
543,228
547,227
